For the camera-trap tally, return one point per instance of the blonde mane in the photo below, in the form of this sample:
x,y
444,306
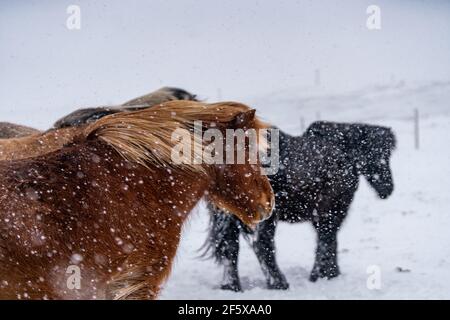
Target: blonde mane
x,y
145,136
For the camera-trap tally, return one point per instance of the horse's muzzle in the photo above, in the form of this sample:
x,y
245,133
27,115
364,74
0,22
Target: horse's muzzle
x,y
265,212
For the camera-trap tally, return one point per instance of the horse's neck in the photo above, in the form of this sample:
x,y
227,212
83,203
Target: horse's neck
x,y
177,191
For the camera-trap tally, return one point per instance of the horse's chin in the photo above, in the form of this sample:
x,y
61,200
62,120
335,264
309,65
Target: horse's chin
x,y
252,226
383,190
253,223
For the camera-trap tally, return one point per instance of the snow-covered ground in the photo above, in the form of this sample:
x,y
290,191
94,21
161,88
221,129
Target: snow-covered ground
x,y
406,236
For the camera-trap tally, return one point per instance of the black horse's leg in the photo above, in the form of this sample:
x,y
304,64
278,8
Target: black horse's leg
x,y
230,251
264,247
225,240
326,265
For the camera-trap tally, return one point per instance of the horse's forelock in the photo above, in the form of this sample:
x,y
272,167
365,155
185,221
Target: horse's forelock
x,y
381,137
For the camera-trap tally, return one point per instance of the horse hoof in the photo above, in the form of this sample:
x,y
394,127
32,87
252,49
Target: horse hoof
x,y
324,274
231,287
332,275
278,286
313,277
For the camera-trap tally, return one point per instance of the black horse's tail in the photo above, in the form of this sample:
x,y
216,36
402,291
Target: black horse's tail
x,y
223,228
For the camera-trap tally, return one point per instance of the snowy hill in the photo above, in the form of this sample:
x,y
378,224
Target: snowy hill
x,y
375,104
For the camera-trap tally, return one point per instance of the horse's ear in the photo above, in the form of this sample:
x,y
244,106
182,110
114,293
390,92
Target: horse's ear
x,y
243,118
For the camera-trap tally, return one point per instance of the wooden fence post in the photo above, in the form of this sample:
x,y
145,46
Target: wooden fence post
x,y
416,129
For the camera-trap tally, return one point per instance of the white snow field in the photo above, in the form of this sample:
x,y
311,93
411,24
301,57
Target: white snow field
x,y
407,236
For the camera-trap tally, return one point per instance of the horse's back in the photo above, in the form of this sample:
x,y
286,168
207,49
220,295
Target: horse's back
x,y
10,130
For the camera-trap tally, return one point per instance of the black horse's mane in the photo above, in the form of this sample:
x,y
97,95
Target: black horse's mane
x,y
351,136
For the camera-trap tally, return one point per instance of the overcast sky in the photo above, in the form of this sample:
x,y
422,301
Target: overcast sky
x,y
243,48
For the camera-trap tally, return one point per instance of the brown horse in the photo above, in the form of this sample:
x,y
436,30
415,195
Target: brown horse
x,y
37,144
107,209
11,130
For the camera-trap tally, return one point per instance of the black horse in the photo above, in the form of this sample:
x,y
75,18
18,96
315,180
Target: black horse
x,y
318,177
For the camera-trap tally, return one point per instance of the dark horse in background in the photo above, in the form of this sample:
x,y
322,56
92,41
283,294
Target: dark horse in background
x,y
318,177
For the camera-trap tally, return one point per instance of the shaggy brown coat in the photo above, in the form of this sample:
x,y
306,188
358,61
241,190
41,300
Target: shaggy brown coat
x,y
92,205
